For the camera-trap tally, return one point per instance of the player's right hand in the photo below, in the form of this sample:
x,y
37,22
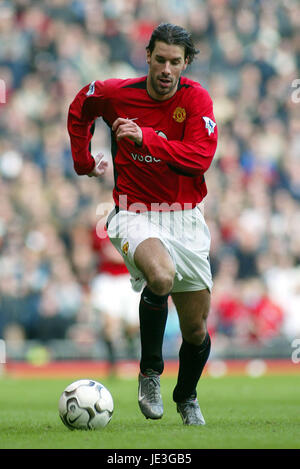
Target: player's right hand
x,y
100,166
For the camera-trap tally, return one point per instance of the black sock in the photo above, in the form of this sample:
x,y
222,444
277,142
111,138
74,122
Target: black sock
x,y
153,317
192,359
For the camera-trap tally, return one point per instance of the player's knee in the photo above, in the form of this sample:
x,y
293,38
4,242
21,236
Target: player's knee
x,y
195,334
161,283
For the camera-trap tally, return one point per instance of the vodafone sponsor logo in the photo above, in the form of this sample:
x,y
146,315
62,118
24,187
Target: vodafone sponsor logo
x,y
148,158
144,158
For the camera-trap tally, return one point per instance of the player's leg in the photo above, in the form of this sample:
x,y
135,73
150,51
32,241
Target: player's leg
x,y
154,261
192,308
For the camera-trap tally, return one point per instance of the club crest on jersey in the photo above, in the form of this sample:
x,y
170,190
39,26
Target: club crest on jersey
x,y
179,114
91,89
125,248
209,125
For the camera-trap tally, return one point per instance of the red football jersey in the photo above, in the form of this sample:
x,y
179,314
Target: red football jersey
x,y
179,140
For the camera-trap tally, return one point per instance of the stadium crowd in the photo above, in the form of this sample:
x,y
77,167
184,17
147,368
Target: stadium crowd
x,y
249,58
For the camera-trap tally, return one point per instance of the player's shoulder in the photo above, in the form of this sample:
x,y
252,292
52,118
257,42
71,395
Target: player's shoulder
x,y
140,82
113,85
195,89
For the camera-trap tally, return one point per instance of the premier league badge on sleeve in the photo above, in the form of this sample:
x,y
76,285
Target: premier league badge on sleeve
x,y
209,125
91,89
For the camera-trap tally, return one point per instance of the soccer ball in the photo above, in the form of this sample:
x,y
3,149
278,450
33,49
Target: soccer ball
x,y
86,405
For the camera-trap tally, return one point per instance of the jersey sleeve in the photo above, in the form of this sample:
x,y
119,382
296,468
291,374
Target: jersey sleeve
x,y
194,153
88,105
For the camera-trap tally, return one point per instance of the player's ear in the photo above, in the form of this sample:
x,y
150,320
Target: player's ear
x,y
148,56
186,61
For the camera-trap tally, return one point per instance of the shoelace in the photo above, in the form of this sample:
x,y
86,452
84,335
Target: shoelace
x,y
153,391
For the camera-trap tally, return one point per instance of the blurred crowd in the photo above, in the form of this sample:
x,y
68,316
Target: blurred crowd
x,y
249,58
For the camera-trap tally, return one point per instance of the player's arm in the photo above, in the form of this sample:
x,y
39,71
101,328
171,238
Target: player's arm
x,y
88,104
193,154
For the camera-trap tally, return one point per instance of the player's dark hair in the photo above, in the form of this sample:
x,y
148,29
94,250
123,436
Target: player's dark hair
x,y
173,34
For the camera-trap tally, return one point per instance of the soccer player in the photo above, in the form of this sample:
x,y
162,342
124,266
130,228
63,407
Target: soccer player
x,y
164,137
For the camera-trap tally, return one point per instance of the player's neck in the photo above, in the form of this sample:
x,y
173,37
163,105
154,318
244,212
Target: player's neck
x,y
158,97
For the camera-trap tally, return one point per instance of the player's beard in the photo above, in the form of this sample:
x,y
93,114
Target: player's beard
x,y
162,90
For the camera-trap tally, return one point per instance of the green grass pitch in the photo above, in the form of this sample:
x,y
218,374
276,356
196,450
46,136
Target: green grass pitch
x,y
240,412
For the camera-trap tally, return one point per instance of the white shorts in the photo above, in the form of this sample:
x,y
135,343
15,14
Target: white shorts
x,y
184,234
112,295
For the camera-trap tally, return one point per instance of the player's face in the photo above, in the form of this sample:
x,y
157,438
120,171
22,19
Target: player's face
x,y
166,63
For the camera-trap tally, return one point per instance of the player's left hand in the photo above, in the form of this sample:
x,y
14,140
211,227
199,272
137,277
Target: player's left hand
x,y
100,166
127,128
